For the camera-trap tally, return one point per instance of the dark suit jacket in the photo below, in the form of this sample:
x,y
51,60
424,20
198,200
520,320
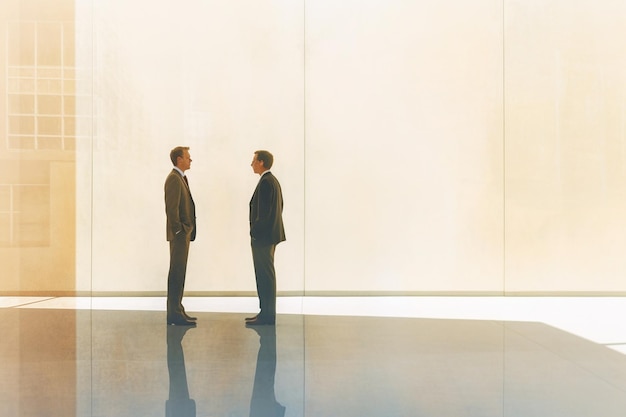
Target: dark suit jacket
x,y
179,207
266,211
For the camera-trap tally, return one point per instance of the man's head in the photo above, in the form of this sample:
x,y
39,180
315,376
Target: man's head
x,y
262,161
180,157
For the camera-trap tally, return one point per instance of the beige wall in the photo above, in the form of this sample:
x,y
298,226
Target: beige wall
x,y
404,146
565,154
437,147
224,78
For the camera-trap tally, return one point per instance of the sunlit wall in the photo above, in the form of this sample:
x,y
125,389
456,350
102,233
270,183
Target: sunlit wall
x,y
446,147
565,160
404,179
225,79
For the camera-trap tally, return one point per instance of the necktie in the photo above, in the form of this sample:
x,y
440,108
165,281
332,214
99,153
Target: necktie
x,y
187,182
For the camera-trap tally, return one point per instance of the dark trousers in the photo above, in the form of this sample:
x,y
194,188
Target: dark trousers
x,y
179,252
263,259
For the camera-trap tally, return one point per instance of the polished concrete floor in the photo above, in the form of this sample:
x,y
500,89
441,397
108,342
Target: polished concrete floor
x,y
399,356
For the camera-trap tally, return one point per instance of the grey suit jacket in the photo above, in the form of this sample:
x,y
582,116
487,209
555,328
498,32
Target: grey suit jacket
x,y
179,207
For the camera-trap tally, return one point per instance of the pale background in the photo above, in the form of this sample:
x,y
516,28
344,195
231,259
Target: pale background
x,y
439,147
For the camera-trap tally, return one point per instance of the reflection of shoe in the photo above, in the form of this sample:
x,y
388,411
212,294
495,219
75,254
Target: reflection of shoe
x,y
175,334
261,321
181,321
252,318
267,334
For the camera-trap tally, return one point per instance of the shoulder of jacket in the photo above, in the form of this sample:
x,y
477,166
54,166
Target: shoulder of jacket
x,y
268,177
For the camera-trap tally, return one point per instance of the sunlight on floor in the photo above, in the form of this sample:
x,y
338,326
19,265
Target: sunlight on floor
x,y
598,319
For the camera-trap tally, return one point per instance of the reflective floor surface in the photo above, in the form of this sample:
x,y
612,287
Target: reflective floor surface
x,y
102,357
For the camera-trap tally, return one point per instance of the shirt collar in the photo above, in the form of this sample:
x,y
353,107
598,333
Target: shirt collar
x,y
179,170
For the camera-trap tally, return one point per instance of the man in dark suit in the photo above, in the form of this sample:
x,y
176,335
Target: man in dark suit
x,y
266,231
181,229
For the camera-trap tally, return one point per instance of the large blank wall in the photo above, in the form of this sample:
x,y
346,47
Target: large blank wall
x,y
423,146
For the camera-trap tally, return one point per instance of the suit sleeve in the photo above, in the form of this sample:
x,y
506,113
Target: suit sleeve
x,y
172,204
263,216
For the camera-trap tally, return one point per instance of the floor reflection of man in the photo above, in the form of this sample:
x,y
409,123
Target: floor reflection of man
x,y
179,404
263,402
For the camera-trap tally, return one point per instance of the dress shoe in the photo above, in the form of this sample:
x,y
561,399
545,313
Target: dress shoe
x,y
261,321
187,316
181,321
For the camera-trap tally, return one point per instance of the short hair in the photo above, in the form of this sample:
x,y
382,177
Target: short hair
x,y
177,152
266,157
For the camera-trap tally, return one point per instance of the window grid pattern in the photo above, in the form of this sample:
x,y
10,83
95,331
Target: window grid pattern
x,y
41,97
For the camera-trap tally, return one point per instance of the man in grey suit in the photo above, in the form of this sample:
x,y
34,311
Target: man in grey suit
x,y
266,231
181,229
